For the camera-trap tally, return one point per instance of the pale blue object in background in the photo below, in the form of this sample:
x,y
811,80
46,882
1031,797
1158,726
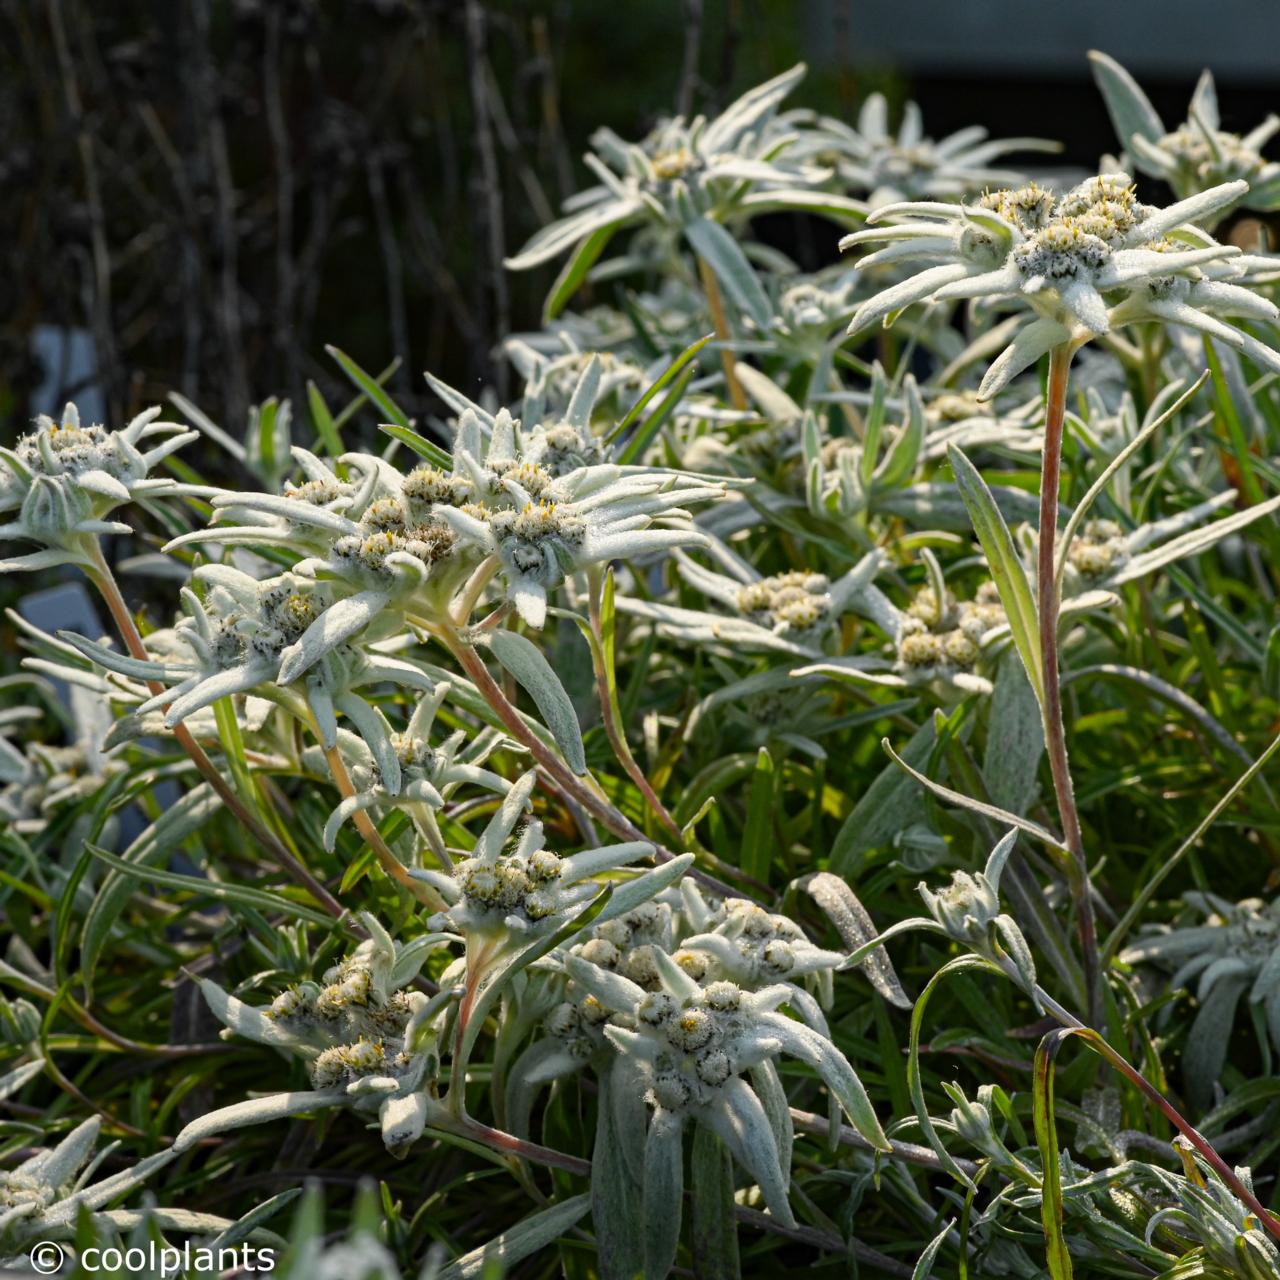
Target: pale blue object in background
x,y
1170,38
69,364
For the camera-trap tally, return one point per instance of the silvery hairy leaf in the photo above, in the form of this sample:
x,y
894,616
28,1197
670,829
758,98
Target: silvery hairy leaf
x,y
533,672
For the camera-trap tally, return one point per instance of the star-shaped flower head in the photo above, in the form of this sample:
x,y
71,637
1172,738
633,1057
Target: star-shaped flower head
x,y
706,1053
1234,953
796,612
887,167
691,177
939,642
41,1198
374,544
1086,262
238,638
1198,154
60,481
547,508
526,890
367,1042
37,779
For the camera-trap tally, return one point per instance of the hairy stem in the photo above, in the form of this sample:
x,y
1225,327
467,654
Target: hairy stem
x,y
712,289
1055,735
102,578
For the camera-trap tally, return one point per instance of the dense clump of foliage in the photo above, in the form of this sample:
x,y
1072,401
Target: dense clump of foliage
x,y
791,789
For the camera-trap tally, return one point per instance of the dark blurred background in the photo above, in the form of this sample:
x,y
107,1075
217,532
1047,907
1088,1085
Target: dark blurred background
x,y
196,195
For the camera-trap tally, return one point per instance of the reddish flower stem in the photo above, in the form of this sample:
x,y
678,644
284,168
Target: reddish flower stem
x,y
1055,734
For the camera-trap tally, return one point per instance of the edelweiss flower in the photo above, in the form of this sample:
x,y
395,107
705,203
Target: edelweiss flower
x,y
1234,952
62,480
1103,555
527,891
791,612
239,637
428,775
692,1047
1087,262
552,508
379,545
41,1198
968,911
367,1042
41,778
939,642
692,171
889,167
1198,154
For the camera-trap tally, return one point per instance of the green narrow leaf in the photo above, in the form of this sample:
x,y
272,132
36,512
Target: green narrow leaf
x,y
232,740
632,414
575,270
913,1065
371,387
175,825
1230,420
874,425
757,834
268,411
258,899
1006,568
712,1228
639,442
1002,816
924,1268
721,252
523,659
1046,1129
322,420
519,1242
420,445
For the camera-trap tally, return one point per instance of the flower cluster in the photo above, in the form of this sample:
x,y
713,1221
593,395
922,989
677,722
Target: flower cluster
x,y
888,167
793,612
367,1042
527,889
1199,153
693,1044
61,481
1086,262
938,642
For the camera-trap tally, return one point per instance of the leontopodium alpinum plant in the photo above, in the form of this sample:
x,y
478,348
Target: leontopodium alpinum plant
x,y
1199,153
507,785
890,166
